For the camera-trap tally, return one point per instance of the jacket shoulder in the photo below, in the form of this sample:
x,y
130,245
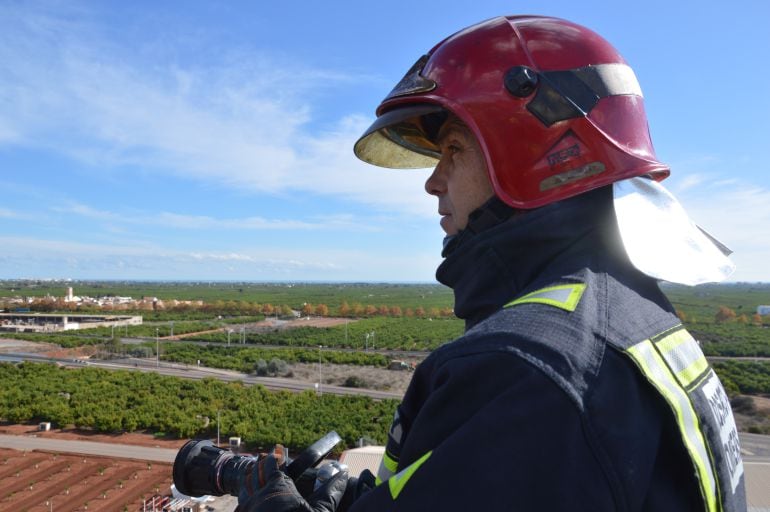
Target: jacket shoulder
x,y
568,343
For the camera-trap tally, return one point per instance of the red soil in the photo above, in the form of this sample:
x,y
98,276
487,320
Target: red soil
x,y
32,480
41,481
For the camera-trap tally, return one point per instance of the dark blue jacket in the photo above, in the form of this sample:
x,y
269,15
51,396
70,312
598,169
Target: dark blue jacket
x,y
533,409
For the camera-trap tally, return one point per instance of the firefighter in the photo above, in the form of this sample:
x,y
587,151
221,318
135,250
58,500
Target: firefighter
x,y
575,385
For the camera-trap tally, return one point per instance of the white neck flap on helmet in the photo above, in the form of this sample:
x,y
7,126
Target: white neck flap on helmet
x,y
660,238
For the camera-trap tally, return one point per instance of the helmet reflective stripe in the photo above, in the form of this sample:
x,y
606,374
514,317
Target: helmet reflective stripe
x,y
684,356
564,296
574,93
658,373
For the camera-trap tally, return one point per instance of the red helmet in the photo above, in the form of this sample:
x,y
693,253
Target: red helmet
x,y
555,108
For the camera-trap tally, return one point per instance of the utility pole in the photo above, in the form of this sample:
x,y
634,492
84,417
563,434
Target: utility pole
x,y
320,378
157,348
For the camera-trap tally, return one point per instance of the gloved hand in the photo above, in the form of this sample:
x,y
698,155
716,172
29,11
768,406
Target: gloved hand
x,y
279,494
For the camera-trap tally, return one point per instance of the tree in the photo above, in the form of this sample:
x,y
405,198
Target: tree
x,y
277,367
232,307
113,344
419,312
260,367
370,310
307,309
383,310
322,310
395,311
286,310
344,309
724,314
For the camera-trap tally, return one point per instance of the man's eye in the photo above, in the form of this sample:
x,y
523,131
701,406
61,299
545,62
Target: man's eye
x,y
452,149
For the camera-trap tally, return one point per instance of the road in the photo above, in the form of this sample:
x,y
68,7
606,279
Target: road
x,y
121,451
194,372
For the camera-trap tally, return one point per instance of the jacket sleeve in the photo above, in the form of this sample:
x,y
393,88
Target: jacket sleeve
x,y
487,432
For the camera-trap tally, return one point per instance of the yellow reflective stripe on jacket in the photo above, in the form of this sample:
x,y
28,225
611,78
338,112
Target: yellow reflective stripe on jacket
x,y
658,373
387,468
398,481
565,296
683,355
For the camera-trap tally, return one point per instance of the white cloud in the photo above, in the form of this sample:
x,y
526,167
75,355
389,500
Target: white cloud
x,y
5,213
199,222
246,124
690,181
63,259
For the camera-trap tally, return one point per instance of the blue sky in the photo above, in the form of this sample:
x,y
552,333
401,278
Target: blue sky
x,y
206,140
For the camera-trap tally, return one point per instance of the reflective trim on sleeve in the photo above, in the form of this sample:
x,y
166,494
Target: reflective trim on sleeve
x,y
387,468
565,296
398,481
658,373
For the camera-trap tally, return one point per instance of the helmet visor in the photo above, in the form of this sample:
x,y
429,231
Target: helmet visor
x,y
403,138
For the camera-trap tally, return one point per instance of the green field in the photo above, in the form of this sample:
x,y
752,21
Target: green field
x,y
739,332
111,401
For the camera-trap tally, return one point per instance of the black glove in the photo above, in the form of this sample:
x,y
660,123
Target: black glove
x,y
279,494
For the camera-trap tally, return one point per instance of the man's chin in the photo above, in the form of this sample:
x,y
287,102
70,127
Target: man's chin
x,y
448,225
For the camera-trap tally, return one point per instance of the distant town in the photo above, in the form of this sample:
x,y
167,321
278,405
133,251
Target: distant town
x,y
106,302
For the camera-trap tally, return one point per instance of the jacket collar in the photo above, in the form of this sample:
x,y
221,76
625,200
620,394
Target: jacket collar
x,y
529,250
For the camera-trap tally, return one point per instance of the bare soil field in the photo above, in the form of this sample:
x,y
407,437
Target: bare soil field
x,y
366,377
273,324
8,345
43,481
34,480
318,321
31,347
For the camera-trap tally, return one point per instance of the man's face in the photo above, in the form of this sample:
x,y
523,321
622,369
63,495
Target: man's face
x,y
460,180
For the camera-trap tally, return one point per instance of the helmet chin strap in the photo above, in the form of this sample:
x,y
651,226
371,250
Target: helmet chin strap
x,y
489,214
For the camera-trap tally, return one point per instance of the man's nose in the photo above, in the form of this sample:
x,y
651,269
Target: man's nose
x,y
435,185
